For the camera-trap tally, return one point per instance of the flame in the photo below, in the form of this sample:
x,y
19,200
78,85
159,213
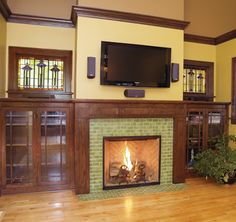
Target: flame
x,y
127,159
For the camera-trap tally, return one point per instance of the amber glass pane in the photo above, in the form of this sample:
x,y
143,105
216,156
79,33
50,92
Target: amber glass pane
x,y
53,147
40,74
19,165
194,81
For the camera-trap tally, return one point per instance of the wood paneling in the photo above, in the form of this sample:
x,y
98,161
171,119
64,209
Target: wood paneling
x,y
82,179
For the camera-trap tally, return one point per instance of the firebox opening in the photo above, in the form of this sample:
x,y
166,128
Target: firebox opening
x,y
131,161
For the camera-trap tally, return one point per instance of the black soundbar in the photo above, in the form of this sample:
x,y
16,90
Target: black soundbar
x,y
134,93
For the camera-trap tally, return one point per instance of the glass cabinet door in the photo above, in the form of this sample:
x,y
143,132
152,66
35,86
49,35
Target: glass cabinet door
x,y
194,136
19,166
53,147
215,128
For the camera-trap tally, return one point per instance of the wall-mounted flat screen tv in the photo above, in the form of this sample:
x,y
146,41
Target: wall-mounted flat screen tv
x,y
135,65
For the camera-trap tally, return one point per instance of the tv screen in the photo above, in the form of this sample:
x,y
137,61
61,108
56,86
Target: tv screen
x,y
135,65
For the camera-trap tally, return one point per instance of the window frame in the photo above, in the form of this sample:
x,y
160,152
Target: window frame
x,y
16,52
209,91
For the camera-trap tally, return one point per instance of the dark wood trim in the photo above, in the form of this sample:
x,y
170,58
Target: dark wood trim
x,y
226,37
209,68
109,101
199,39
146,102
33,20
233,99
37,20
4,9
210,40
2,151
179,149
126,17
82,179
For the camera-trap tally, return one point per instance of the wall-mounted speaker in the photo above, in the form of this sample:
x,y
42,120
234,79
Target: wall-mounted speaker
x,y
174,72
134,93
91,67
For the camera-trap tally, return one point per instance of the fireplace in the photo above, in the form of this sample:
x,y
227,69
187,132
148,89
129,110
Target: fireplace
x,y
131,161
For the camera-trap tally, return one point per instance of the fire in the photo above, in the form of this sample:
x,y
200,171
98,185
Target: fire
x,y
127,158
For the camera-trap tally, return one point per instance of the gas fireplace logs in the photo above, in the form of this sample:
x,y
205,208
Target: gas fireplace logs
x,y
120,173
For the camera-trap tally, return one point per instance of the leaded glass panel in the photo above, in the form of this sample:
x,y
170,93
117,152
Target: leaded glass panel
x,y
194,81
40,73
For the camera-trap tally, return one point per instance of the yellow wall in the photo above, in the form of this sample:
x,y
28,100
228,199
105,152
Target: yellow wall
x,y
91,32
40,37
201,52
225,52
2,55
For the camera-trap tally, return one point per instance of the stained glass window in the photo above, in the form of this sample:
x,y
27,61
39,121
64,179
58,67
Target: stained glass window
x,y
194,81
40,73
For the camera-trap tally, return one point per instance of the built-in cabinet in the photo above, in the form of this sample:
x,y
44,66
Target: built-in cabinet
x,y
44,143
204,126
37,149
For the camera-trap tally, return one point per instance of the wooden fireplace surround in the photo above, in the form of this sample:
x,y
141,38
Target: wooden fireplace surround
x,y
91,109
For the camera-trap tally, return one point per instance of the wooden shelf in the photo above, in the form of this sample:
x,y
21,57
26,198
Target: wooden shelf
x,y
18,145
19,124
53,146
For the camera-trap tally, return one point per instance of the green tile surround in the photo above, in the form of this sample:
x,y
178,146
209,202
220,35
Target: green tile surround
x,y
129,127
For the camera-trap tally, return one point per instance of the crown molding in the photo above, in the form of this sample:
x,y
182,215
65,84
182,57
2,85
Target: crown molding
x,y
199,39
34,20
209,40
37,20
126,17
226,37
4,9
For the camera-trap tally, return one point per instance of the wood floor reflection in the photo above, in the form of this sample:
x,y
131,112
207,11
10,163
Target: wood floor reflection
x,y
200,201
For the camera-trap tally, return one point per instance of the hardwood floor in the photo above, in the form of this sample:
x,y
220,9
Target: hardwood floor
x,y
200,201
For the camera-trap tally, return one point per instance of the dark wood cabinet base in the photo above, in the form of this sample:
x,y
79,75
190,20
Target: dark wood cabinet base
x,y
81,111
